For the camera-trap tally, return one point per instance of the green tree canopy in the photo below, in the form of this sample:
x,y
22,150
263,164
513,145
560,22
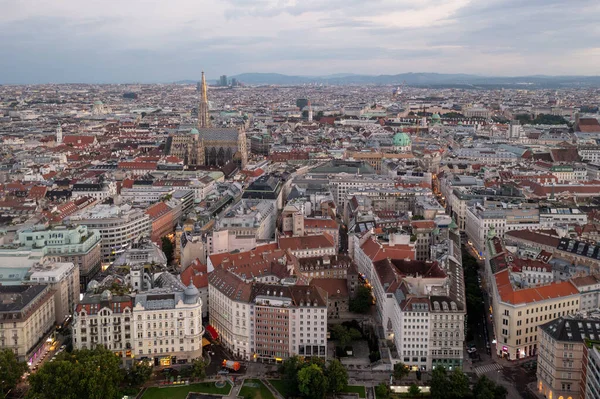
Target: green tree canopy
x,y
414,390
11,370
383,391
488,389
337,376
93,374
312,382
344,335
401,370
167,248
199,369
289,372
138,374
363,300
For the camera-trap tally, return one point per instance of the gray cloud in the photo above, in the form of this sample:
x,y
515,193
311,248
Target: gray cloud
x,y
89,42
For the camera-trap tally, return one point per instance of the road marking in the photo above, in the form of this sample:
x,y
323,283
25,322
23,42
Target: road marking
x,y
487,368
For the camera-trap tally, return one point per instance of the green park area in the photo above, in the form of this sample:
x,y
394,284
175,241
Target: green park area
x,y
181,392
255,389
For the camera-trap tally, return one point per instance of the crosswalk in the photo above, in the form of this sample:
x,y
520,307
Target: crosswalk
x,y
487,368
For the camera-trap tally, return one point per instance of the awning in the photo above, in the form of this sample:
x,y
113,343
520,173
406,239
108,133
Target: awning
x,y
205,342
212,332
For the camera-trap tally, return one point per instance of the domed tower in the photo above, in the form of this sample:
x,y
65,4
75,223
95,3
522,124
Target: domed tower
x,y
401,142
191,294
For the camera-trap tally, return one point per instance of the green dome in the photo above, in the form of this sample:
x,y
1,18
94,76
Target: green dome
x,y
401,140
194,131
98,102
460,123
436,119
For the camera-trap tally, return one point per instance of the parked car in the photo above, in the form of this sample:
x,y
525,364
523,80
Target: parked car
x,y
471,350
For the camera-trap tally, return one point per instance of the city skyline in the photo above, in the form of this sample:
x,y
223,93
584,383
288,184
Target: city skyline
x,y
136,42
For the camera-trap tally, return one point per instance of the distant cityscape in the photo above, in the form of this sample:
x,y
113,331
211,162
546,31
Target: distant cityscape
x,y
304,238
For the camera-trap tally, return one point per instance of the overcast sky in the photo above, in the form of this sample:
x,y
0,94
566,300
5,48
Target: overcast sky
x,y
162,41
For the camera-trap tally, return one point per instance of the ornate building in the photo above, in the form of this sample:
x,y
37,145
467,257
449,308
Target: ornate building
x,y
203,117
208,145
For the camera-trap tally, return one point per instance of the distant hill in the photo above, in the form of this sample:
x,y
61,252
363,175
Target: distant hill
x,y
424,79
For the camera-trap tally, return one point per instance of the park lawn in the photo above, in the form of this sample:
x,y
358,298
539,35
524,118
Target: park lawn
x,y
260,392
359,389
181,391
281,387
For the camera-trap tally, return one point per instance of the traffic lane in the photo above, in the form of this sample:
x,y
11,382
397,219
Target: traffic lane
x,y
217,355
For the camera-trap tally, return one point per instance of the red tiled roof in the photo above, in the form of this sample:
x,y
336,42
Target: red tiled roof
x,y
306,242
527,295
37,192
312,223
423,224
157,210
376,251
533,236
196,273
79,140
333,286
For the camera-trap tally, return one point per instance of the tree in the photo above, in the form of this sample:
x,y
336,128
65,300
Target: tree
x,y
138,374
11,370
337,377
488,389
344,335
383,391
439,383
167,248
199,369
289,372
418,217
312,382
400,371
414,390
93,374
458,387
363,300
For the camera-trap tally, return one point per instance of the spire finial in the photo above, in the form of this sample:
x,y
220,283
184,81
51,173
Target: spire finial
x,y
203,117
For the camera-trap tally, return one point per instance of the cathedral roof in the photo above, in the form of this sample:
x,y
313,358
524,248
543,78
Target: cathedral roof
x,y
214,134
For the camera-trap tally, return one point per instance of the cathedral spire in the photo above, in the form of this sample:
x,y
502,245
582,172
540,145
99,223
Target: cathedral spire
x,y
203,118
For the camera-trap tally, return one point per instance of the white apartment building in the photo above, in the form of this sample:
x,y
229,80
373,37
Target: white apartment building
x,y
590,153
342,184
589,287
421,307
26,319
519,307
590,386
144,193
168,325
105,319
550,217
63,278
243,225
118,226
267,322
499,218
487,156
98,191
163,324
41,243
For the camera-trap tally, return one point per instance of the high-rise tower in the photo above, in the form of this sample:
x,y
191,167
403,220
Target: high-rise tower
x,y
203,117
310,112
59,135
